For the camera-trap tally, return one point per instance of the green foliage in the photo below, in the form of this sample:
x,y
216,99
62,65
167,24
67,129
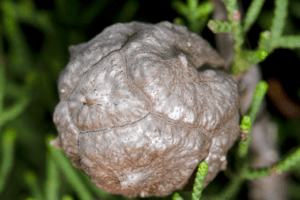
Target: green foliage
x,y
30,198
258,96
252,14
65,165
177,196
218,26
67,197
31,179
7,144
269,40
195,13
199,180
286,164
246,123
52,182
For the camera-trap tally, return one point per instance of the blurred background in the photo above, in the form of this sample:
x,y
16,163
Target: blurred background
x,y
34,40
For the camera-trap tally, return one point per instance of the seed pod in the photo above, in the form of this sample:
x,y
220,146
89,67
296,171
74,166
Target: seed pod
x,y
141,105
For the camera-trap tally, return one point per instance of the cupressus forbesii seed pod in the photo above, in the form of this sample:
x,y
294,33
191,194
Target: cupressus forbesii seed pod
x,y
141,105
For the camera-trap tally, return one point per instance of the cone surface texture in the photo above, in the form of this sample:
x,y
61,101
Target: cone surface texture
x,y
141,105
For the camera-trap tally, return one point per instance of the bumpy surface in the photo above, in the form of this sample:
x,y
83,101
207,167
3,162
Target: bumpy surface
x,y
141,105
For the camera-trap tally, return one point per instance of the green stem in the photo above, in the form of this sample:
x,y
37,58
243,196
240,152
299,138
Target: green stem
x,y
70,173
2,84
231,190
258,173
8,143
284,165
30,178
19,57
192,4
14,110
2,75
30,198
67,197
289,162
199,180
258,96
177,196
279,19
232,7
52,181
239,64
252,14
290,42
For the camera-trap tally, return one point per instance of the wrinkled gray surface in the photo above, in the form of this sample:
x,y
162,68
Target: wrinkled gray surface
x,y
137,116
